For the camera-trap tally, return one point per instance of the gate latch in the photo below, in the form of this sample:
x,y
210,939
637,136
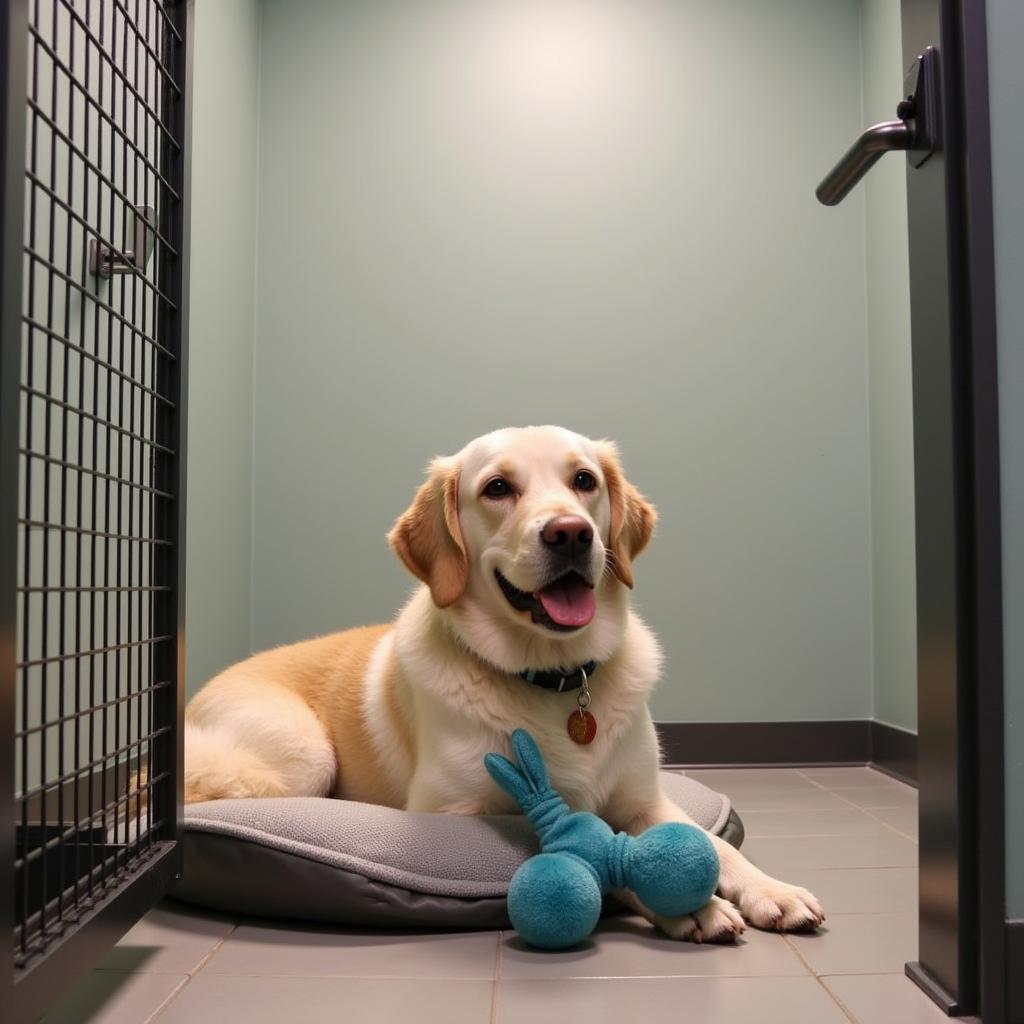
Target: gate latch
x,y
105,261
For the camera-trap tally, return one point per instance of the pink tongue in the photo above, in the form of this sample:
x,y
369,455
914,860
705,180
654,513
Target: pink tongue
x,y
569,601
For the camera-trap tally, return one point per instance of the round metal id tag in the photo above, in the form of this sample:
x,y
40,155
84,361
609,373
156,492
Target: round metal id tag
x,y
582,725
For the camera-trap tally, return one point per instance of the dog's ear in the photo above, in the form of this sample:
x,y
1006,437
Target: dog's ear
x,y
427,537
633,517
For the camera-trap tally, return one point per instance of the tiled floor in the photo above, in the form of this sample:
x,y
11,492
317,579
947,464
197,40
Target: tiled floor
x,y
849,834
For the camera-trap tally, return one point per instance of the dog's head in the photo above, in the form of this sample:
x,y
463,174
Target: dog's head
x,y
535,528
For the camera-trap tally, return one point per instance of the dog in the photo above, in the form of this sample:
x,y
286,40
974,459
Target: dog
x,y
524,544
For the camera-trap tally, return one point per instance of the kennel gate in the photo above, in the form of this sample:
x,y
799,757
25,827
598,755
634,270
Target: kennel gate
x,y
95,109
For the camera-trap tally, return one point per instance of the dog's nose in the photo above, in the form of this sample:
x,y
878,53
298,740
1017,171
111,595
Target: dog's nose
x,y
567,533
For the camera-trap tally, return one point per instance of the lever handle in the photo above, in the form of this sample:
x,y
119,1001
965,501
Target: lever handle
x,y
918,132
861,157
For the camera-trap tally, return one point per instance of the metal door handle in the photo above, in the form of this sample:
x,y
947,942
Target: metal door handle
x,y
916,132
861,157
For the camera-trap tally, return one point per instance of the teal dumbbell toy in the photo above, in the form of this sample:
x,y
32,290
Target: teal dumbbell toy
x,y
554,899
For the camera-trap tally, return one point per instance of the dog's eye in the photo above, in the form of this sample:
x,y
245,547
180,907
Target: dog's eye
x,y
584,481
497,488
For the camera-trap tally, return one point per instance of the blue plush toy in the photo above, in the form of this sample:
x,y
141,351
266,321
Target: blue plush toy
x,y
554,899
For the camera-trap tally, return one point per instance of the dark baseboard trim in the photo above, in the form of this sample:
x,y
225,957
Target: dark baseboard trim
x,y
894,751
774,744
781,744
932,988
1015,971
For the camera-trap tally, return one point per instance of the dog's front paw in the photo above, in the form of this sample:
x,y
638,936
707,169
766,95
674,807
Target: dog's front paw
x,y
717,921
682,928
778,906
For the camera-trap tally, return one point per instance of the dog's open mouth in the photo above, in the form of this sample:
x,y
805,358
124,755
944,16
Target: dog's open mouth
x,y
566,604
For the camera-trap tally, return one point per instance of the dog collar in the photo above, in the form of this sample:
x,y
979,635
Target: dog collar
x,y
563,680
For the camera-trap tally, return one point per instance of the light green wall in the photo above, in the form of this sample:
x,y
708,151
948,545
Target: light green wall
x,y
224,184
893,599
445,245
621,238
1006,85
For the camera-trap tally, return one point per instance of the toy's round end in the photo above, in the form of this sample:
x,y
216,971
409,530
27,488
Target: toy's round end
x,y
673,869
553,901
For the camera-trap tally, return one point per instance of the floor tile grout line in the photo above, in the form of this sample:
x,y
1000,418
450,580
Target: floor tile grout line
x,y
871,783
192,973
867,811
497,978
817,977
650,977
505,979
843,1008
870,913
882,821
213,949
822,835
319,976
171,996
819,785
838,794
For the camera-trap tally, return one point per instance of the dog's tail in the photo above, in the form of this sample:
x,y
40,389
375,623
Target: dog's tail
x,y
218,767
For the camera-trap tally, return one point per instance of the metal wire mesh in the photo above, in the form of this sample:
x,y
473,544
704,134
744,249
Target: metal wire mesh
x,y
96,524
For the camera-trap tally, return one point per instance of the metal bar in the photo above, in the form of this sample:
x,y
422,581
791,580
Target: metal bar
x,y
87,294
62,496
51,123
13,77
150,523
66,833
76,86
98,538
82,713
42,807
53,197
80,411
139,473
43,979
169,563
98,43
36,943
107,755
91,590
78,595
170,25
30,374
52,460
97,651
167,73
106,364
39,524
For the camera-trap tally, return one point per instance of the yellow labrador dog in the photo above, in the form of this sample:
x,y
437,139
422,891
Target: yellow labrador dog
x,y
524,542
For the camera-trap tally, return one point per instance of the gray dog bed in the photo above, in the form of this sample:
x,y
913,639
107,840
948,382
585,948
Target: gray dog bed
x,y
350,863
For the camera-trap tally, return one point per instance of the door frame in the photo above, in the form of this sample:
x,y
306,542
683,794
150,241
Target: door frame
x,y
967,732
989,773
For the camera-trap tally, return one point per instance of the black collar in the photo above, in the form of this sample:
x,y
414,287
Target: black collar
x,y
563,680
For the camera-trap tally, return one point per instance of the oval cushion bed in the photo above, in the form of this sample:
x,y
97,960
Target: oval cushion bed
x,y
337,861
